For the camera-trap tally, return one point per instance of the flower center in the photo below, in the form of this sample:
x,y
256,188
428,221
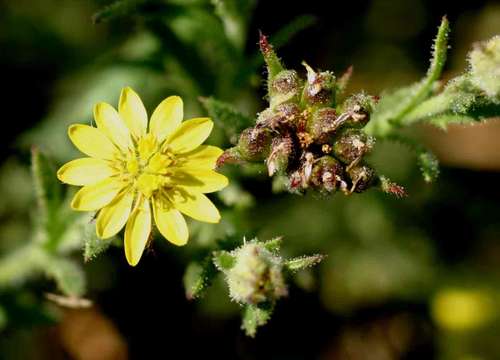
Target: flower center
x,y
146,166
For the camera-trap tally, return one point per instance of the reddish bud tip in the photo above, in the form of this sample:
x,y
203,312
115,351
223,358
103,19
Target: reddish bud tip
x,y
392,188
265,47
229,156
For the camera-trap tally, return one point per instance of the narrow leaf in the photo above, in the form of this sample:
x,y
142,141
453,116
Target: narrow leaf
x,y
304,262
47,187
198,276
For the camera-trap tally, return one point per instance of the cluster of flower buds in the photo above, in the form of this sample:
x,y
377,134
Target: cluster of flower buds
x,y
306,135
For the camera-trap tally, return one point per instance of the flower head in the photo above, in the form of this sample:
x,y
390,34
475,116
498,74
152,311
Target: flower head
x,y
138,171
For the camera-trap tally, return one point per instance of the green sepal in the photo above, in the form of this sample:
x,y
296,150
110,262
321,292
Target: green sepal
x,y
255,316
223,260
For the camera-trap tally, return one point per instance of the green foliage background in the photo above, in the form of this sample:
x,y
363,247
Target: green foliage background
x,y
388,259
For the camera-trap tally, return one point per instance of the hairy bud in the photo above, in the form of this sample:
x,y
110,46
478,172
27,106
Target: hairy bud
x,y
352,145
320,87
326,174
362,177
323,124
281,152
256,276
254,144
358,107
285,87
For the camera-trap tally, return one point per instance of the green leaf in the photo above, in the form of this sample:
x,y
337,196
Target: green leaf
x,y
19,265
303,262
116,9
68,275
287,32
459,102
255,316
47,187
223,260
235,196
198,276
392,108
3,318
427,161
226,116
234,15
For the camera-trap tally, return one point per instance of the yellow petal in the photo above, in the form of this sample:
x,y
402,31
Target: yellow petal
x,y
194,204
170,222
96,196
113,217
137,232
204,156
85,171
204,181
133,112
166,117
110,123
91,141
190,134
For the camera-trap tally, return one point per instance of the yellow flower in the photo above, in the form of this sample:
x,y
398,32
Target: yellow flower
x,y
136,173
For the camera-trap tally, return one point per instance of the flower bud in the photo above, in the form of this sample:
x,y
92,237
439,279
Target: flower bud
x,y
320,87
281,150
326,174
322,125
256,276
283,116
358,107
352,145
285,87
362,177
254,144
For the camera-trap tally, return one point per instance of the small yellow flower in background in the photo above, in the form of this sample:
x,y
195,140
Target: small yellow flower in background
x,y
137,172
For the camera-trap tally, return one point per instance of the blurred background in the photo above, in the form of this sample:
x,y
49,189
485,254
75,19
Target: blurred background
x,y
417,278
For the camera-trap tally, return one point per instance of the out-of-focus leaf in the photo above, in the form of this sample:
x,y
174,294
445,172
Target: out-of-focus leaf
x,y
235,196
3,318
47,187
427,161
226,116
287,32
68,275
20,265
116,9
234,15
